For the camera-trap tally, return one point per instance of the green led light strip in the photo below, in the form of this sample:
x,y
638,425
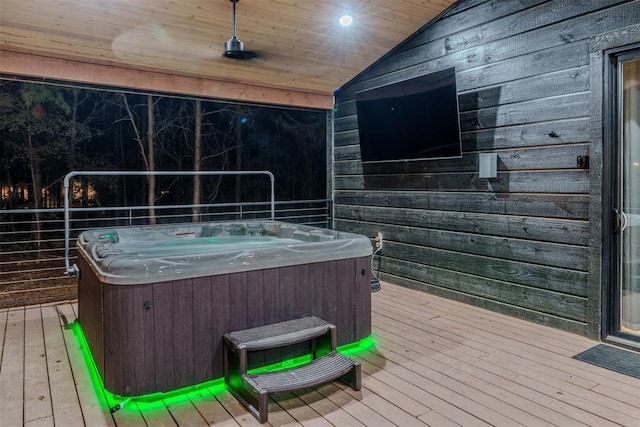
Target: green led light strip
x,y
215,387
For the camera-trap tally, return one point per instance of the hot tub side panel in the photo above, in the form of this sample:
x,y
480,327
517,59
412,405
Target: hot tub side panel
x,y
362,305
90,311
168,335
130,345
173,317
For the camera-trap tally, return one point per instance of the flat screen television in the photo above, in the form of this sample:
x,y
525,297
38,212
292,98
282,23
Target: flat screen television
x,y
415,119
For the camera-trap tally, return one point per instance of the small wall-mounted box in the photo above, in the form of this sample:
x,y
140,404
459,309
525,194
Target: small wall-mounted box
x,y
488,165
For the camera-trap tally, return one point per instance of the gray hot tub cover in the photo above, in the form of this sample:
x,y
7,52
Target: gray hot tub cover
x,y
151,254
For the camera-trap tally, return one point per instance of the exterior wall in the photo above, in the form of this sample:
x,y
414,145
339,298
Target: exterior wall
x,y
526,243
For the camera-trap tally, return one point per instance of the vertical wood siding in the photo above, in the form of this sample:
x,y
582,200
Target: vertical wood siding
x,y
519,243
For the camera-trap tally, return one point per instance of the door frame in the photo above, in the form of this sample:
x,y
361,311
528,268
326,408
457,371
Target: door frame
x,y
611,177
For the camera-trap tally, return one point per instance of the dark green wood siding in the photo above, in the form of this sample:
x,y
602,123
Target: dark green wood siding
x,y
521,243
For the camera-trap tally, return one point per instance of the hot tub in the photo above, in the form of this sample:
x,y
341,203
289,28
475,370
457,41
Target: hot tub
x,y
154,302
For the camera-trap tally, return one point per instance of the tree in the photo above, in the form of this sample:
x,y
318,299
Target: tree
x,y
197,158
101,130
212,145
148,152
303,136
151,165
241,116
43,133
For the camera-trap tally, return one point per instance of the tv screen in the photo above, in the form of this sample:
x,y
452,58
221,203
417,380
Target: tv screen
x,y
415,119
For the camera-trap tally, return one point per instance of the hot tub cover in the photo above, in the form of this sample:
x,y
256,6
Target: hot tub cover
x,y
150,254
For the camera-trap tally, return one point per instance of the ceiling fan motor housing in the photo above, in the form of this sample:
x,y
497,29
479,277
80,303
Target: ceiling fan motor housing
x,y
233,44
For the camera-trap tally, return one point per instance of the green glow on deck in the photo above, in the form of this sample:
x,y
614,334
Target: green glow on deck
x,y
153,401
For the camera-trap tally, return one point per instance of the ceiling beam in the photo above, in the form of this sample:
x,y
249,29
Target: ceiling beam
x,y
31,65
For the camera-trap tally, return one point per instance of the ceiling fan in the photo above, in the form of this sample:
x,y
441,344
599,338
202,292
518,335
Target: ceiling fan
x,y
234,48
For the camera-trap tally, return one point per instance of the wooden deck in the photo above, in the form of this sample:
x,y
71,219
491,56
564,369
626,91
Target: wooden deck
x,y
436,362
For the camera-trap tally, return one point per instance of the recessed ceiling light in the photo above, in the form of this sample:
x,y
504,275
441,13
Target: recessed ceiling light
x,y
345,20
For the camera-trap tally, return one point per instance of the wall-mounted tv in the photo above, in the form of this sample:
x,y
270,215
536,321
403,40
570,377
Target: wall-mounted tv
x,y
415,119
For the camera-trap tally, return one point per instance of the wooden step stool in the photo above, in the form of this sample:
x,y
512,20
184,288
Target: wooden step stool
x,y
252,390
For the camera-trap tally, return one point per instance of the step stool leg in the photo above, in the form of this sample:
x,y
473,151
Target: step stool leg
x,y
263,407
357,377
353,378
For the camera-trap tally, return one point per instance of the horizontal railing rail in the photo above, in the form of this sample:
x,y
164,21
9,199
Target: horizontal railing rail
x,y
32,259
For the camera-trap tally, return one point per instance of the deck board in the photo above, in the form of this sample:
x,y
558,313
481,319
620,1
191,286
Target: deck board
x,y
488,378
535,361
385,408
354,406
184,413
156,415
237,411
436,362
212,411
3,327
64,395
501,368
12,370
327,409
93,403
37,398
40,422
303,414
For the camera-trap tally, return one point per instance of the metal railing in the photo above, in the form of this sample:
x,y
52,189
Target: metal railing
x,y
32,259
67,180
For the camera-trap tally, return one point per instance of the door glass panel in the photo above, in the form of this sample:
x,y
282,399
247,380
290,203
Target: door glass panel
x,y
630,197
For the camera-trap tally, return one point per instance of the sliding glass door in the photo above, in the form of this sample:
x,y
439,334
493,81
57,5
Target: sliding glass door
x,y
626,257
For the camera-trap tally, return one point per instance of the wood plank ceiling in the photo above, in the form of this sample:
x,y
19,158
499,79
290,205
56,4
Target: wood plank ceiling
x,y
301,46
